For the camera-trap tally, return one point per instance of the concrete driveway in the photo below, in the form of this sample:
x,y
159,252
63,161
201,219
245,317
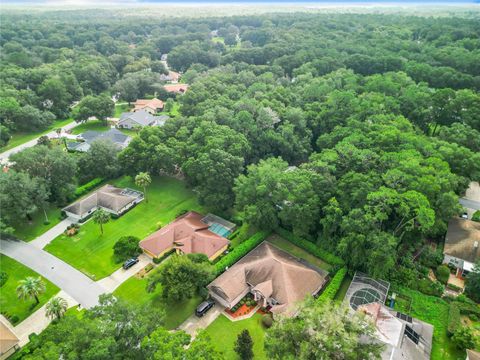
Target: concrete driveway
x,y
80,287
194,324
110,283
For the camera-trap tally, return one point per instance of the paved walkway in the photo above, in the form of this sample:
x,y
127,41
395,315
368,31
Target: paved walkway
x,y
6,154
193,324
84,290
38,321
45,239
110,283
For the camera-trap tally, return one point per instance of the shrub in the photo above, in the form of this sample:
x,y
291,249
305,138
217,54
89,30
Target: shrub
x,y
456,309
476,216
180,213
429,287
464,338
454,287
159,225
148,268
157,260
46,222
267,321
310,247
240,251
3,278
473,317
82,190
443,273
332,288
126,247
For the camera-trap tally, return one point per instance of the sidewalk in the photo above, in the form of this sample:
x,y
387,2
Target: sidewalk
x,y
45,239
38,321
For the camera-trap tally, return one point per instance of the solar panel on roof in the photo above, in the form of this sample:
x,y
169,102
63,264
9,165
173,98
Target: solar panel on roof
x,y
404,317
412,335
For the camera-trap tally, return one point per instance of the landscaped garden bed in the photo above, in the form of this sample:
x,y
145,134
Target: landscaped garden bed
x,y
244,307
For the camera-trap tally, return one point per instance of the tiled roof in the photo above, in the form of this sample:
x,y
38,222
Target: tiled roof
x,y
463,239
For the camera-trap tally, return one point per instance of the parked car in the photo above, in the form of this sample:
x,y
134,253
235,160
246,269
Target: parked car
x,y
130,262
203,308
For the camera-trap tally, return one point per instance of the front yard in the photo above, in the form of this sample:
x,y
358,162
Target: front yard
x,y
11,307
92,253
133,291
224,332
29,230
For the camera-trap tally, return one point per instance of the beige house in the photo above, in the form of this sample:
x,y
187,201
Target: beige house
x,y
8,340
151,106
109,198
275,278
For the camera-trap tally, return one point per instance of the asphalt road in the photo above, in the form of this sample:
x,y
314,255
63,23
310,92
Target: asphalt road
x,y
5,155
79,286
470,204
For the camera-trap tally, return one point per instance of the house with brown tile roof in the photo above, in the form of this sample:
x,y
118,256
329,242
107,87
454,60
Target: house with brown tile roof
x,y
276,279
152,106
172,76
462,245
110,198
176,88
188,234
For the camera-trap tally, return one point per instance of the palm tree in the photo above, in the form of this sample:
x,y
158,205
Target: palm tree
x,y
56,308
30,287
143,179
101,217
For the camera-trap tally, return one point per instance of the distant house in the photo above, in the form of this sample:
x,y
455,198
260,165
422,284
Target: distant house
x,y
151,106
176,88
130,120
404,337
190,233
275,278
110,198
8,340
172,76
164,57
462,245
88,137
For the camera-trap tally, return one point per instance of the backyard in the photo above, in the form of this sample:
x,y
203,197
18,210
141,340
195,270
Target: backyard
x,y
298,252
11,307
92,253
133,291
224,332
434,311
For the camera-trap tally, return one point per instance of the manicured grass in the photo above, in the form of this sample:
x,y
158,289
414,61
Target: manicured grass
x,y
19,138
340,295
10,304
95,125
91,252
133,291
121,108
224,332
434,311
298,252
29,230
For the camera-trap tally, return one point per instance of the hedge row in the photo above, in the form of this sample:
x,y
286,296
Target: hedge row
x,y
333,286
82,190
311,248
456,309
240,251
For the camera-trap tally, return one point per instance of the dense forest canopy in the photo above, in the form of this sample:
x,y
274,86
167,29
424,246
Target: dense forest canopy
x,y
357,132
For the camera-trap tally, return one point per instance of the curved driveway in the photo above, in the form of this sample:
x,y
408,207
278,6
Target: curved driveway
x,y
80,287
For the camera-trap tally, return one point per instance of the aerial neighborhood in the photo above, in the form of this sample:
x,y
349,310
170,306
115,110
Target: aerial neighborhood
x,y
232,182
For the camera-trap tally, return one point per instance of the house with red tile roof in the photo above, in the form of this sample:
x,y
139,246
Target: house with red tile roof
x,y
176,88
152,106
188,234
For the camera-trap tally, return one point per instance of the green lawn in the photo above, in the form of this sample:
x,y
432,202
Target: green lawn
x,y
133,291
340,295
95,125
19,138
434,310
224,332
29,230
298,252
10,305
91,252
121,108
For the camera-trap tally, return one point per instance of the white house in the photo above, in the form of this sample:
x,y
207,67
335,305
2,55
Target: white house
x,y
141,118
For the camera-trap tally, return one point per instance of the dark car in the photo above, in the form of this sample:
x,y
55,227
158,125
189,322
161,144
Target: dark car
x,y
129,263
203,308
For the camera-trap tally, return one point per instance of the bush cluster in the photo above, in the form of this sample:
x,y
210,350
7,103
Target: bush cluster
x,y
267,321
82,190
3,278
240,251
333,287
443,273
126,247
455,312
429,287
310,247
